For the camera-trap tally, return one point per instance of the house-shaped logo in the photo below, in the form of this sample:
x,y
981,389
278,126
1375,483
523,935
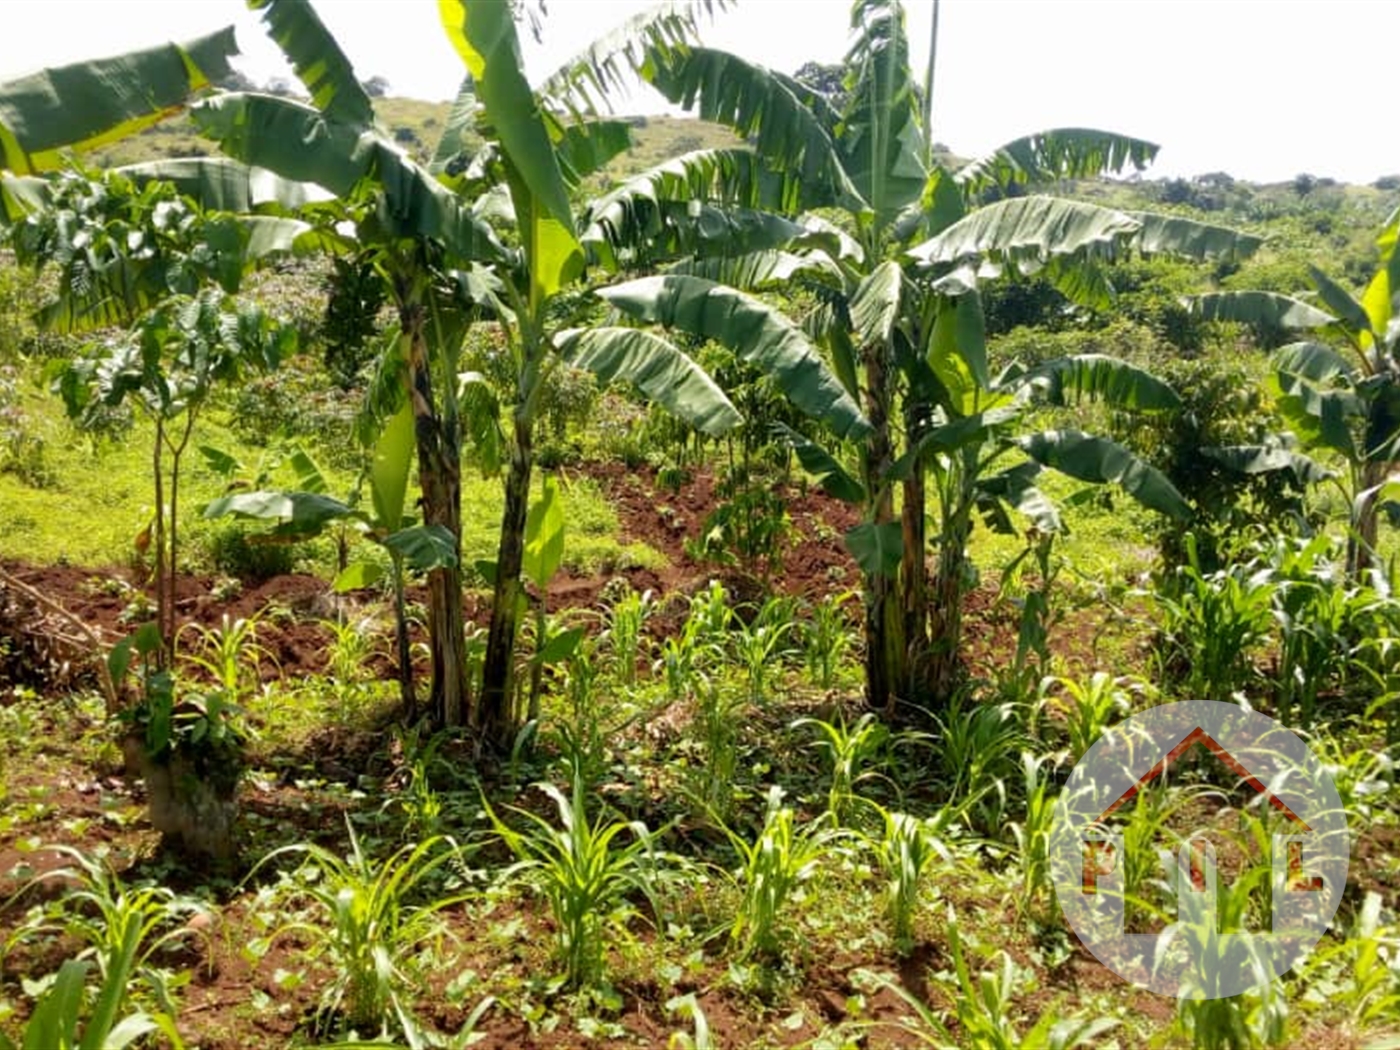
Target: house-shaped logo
x,y
1096,879
1196,869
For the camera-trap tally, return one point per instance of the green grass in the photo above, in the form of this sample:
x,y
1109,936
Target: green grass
x,y
98,496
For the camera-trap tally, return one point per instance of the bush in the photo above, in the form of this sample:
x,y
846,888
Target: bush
x,y
21,296
1221,405
355,297
234,552
296,402
22,448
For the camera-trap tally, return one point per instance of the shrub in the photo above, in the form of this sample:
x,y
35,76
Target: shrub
x,y
1221,405
295,402
233,552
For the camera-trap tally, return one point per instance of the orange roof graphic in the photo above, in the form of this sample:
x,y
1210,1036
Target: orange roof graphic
x,y
1199,735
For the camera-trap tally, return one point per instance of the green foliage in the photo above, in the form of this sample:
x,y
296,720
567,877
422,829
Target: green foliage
x,y
369,920
849,751
1087,707
123,930
54,1022
355,296
1240,1022
172,721
773,870
1358,971
233,551
716,727
763,645
627,618
229,654
748,527
294,404
1223,407
21,298
1213,624
23,450
904,849
985,1009
586,871
826,637
1323,623
978,744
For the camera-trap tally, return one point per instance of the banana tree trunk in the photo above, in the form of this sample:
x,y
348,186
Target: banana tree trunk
x,y
497,718
913,572
408,696
941,673
885,654
1361,544
440,478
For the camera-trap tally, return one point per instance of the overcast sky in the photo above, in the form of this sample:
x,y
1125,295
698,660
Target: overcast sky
x,y
1264,91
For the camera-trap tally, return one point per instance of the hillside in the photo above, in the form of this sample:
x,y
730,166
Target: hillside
x,y
417,125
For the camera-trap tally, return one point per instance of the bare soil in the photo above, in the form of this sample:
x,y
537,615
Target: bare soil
x,y
236,999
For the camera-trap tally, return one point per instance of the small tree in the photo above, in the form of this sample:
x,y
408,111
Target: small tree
x,y
137,255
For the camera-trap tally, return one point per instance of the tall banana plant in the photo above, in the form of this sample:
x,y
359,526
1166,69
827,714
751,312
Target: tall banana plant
x,y
900,319
81,106
365,197
480,237
537,156
1339,392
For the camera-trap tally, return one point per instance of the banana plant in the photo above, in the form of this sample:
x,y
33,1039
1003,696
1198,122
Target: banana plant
x,y
981,459
484,234
525,173
81,106
1340,391
308,510
898,316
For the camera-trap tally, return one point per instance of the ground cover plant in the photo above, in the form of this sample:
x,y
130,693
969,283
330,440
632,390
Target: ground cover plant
x,y
673,810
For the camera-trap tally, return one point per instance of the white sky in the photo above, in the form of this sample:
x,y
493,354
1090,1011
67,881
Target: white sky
x,y
1261,90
